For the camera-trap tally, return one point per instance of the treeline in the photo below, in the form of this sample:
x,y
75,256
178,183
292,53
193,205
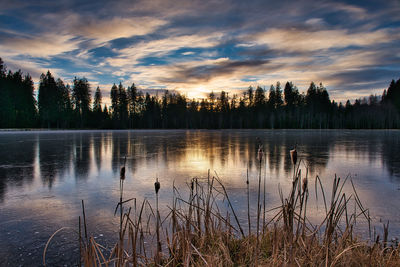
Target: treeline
x,y
59,105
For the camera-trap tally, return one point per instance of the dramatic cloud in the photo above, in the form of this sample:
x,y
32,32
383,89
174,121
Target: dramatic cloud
x,y
203,73
196,47
106,30
38,46
295,40
157,48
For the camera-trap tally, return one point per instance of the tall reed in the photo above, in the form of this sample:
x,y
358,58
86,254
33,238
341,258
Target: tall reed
x,y
198,232
260,154
158,254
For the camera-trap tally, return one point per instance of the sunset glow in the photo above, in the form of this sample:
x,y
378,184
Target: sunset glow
x,y
196,47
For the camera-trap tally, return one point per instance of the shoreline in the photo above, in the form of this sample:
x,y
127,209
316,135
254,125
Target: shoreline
x,y
194,129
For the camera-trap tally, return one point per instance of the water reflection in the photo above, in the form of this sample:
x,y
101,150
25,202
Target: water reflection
x,y
54,157
52,171
17,162
59,153
391,155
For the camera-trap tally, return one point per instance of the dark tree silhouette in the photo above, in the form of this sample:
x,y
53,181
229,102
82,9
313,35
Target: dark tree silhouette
x,y
278,96
122,106
133,104
17,101
272,97
392,95
97,101
64,104
119,102
292,96
259,98
49,101
81,100
99,117
60,107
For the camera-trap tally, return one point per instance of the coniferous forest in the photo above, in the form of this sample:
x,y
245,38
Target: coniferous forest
x,y
63,106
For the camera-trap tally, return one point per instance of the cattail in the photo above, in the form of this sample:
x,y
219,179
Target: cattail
x,y
157,186
293,156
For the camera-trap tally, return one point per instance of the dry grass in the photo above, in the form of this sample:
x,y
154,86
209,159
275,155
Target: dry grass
x,y
196,232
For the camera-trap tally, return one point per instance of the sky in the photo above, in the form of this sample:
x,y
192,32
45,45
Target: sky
x,y
195,47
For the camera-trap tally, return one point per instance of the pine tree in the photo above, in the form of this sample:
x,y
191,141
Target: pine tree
x,y
114,102
259,97
48,101
64,104
98,116
271,97
289,94
278,95
250,93
132,103
393,94
311,96
2,69
223,104
97,101
27,110
122,106
5,107
81,99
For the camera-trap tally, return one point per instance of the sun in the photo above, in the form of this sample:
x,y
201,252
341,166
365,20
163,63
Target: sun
x,y
197,92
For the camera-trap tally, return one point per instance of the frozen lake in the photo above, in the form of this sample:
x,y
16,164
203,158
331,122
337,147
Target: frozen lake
x,y
44,175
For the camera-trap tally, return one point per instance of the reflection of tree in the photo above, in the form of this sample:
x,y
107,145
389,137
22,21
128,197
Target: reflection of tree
x,y
149,149
274,156
54,156
230,147
119,150
17,155
82,156
314,148
287,162
3,184
391,153
276,145
146,148
224,151
98,143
